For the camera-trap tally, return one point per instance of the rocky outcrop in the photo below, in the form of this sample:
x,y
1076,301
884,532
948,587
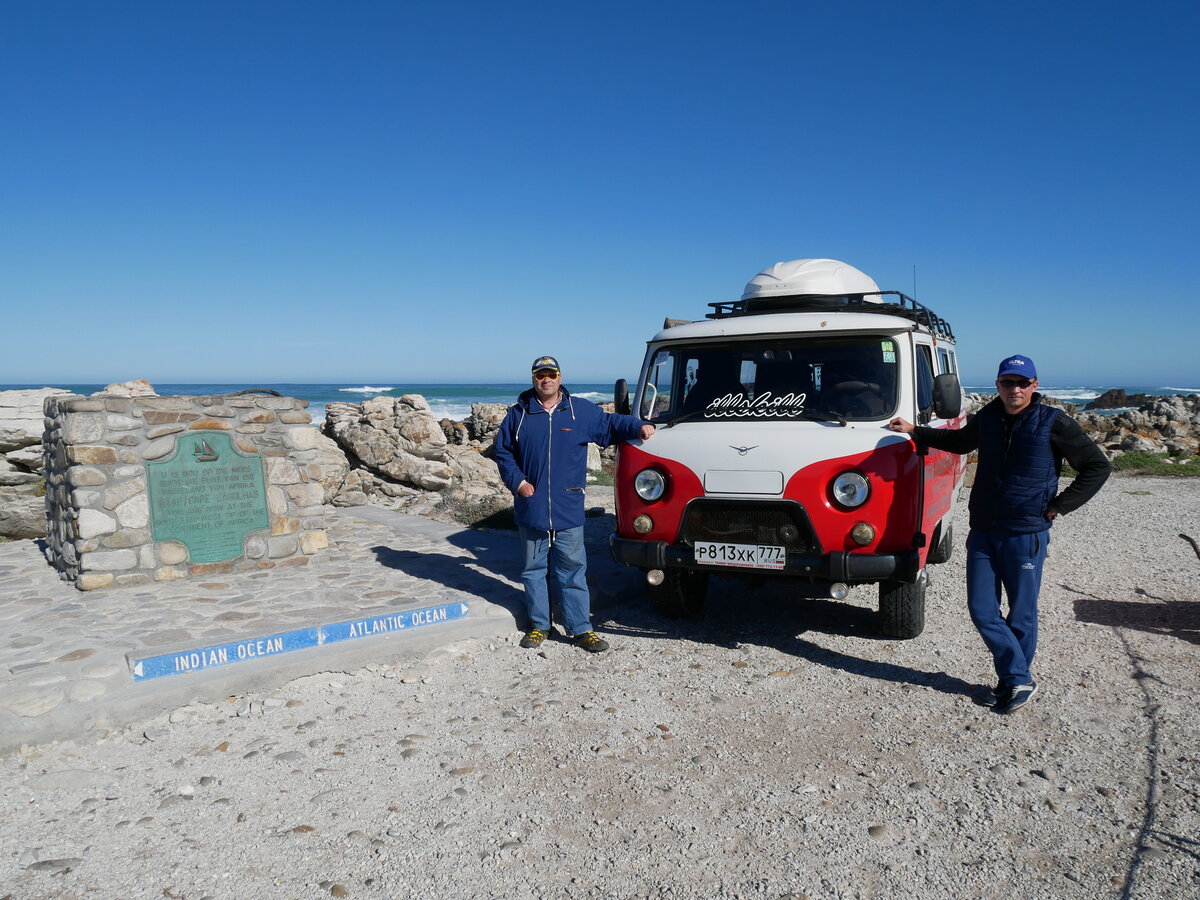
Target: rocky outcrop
x,y
1164,425
485,421
1168,426
397,437
404,458
22,490
138,388
1118,399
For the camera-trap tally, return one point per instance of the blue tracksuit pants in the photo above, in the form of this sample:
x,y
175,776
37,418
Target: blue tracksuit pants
x,y
1013,562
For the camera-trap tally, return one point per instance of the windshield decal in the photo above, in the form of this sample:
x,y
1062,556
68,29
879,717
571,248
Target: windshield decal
x,y
763,406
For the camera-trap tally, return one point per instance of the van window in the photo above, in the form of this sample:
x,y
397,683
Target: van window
x,y
659,386
851,377
924,383
947,365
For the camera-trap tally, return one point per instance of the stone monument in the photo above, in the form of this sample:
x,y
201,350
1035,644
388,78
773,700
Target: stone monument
x,y
149,488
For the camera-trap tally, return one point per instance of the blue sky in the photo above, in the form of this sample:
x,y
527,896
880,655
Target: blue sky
x,y
387,192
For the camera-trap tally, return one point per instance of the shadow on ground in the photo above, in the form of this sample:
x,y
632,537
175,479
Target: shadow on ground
x,y
494,554
1155,615
769,617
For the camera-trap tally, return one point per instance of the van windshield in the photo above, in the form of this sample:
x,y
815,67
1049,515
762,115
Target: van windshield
x,y
850,377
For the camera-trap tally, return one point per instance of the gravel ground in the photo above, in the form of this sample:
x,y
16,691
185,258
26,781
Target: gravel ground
x,y
776,749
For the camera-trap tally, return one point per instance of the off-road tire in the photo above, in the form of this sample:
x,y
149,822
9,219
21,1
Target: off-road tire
x,y
944,548
682,594
902,608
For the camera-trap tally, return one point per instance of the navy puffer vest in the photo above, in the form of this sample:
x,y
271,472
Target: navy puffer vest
x,y
1018,472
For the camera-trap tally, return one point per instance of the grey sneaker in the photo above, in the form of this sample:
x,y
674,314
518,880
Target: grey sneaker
x,y
1016,697
533,638
591,642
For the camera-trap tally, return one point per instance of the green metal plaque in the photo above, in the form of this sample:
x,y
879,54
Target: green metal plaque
x,y
207,496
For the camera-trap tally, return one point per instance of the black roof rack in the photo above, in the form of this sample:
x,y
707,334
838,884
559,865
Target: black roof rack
x,y
904,306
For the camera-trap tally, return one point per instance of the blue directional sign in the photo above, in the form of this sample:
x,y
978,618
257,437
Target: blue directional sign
x,y
184,661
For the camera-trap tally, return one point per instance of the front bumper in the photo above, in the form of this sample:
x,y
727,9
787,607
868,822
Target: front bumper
x,y
848,568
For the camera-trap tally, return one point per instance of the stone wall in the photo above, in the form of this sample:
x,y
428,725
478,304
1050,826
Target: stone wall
x,y
105,527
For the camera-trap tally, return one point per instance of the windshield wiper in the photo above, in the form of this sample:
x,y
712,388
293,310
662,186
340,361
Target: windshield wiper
x,y
686,417
818,416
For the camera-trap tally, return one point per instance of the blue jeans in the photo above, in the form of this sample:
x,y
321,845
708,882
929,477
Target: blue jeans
x,y
1012,561
570,570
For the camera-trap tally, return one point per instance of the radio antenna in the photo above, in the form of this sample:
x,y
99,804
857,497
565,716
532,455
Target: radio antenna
x,y
914,282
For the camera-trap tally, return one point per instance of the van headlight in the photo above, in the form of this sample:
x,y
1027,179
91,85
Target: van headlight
x,y
851,490
650,484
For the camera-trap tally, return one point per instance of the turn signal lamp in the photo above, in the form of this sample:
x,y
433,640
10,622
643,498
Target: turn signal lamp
x,y
643,524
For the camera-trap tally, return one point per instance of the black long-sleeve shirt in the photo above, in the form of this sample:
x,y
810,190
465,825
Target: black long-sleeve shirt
x,y
1067,441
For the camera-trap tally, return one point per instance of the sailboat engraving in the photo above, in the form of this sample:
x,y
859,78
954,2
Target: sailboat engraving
x,y
204,453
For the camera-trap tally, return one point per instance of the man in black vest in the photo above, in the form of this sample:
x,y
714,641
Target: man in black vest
x,y
1022,443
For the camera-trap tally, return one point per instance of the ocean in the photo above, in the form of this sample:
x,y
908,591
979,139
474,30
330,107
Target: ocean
x,y
448,401
453,401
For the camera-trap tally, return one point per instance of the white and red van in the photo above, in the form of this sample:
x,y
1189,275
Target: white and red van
x,y
772,457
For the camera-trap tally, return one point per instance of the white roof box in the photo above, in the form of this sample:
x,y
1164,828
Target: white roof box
x,y
808,277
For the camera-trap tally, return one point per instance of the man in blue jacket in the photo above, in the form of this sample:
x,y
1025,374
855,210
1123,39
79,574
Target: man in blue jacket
x,y
1014,500
541,450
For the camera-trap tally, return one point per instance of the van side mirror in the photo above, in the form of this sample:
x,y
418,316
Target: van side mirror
x,y
621,396
947,396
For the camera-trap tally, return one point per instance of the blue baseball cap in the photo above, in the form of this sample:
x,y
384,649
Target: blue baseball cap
x,y
1017,365
545,362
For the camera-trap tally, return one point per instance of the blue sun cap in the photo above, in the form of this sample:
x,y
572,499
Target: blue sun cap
x,y
545,362
1017,365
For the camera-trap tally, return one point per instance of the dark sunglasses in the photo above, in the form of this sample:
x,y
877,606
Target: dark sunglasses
x,y
544,373
1014,382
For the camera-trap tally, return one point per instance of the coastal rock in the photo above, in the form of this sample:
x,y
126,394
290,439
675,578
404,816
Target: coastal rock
x,y
1163,425
456,432
21,418
403,458
1117,399
22,511
474,469
138,388
485,421
393,436
22,502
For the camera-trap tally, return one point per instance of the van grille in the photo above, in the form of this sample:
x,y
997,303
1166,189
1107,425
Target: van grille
x,y
779,524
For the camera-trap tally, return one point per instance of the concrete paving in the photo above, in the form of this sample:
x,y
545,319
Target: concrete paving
x,y
389,588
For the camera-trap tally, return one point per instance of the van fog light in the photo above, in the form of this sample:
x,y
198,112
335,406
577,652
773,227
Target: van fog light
x,y
643,524
862,534
655,577
839,591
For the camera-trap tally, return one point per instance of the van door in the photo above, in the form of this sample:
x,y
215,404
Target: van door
x,y
941,470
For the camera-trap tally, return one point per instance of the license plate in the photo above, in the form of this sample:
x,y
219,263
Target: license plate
x,y
747,556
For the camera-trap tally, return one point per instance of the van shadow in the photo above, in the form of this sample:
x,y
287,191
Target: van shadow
x,y
1154,615
768,617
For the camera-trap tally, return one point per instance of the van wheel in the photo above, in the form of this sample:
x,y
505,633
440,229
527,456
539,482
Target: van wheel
x,y
944,548
902,607
681,595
